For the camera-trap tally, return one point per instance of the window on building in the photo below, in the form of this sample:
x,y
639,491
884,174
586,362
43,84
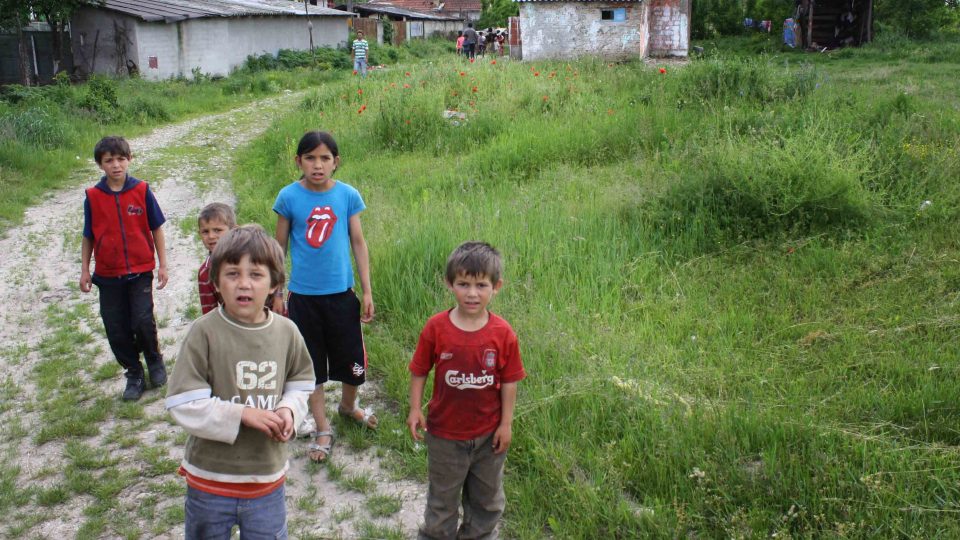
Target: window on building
x,y
615,15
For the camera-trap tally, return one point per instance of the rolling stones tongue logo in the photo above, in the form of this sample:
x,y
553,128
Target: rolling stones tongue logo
x,y
320,225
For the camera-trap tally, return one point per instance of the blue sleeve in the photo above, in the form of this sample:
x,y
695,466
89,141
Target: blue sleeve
x,y
356,203
154,215
280,205
87,216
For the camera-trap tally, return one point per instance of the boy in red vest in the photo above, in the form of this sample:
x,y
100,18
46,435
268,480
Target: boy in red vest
x,y
121,229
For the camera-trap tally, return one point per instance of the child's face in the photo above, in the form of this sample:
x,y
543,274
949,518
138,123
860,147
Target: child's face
x,y
114,166
244,287
211,231
318,166
473,293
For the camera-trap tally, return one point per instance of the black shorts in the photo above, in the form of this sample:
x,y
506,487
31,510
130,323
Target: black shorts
x,y
330,325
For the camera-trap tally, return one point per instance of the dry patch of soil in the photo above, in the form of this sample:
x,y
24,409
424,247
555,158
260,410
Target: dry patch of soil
x,y
187,166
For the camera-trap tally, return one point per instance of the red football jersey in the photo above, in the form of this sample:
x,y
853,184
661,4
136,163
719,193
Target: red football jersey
x,y
469,368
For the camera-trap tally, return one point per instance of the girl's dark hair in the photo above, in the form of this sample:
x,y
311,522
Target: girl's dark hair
x,y
313,139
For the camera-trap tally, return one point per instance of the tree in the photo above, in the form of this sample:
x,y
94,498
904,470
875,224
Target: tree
x,y
495,13
916,18
57,13
14,15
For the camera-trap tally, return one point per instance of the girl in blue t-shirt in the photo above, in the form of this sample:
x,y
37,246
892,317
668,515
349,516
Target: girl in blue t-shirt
x,y
319,218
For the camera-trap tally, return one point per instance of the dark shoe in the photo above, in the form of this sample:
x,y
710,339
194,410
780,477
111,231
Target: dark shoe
x,y
134,389
158,377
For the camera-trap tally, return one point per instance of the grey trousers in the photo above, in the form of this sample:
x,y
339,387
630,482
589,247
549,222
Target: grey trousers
x,y
467,473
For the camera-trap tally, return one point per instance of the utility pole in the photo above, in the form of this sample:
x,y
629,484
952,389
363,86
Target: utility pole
x,y
306,12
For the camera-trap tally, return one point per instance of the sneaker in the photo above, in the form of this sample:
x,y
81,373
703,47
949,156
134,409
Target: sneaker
x,y
134,389
158,377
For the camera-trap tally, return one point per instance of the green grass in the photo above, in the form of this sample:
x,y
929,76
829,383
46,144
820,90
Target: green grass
x,y
736,320
48,133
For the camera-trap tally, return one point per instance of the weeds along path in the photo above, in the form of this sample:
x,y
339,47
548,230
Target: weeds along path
x,y
75,461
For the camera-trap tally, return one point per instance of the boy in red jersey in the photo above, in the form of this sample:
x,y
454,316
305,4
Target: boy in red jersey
x,y
121,230
476,362
214,221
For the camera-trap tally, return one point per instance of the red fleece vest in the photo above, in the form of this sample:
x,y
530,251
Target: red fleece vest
x,y
122,241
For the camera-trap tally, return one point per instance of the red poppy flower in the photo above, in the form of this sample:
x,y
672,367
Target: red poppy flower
x,y
360,110
363,107
405,85
545,98
359,91
493,62
407,73
472,60
354,72
536,73
462,73
663,70
474,89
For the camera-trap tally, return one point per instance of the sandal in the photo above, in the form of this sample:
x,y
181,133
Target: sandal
x,y
360,416
319,453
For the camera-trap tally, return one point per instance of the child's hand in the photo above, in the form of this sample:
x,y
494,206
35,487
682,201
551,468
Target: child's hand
x,y
286,429
277,305
267,422
416,423
366,310
162,277
86,283
502,438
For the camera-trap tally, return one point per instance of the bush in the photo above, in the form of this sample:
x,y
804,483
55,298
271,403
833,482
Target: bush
x,y
145,110
323,58
101,98
755,79
38,127
763,188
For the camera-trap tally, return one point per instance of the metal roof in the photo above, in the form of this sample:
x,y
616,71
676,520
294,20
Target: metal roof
x,y
585,1
401,12
179,10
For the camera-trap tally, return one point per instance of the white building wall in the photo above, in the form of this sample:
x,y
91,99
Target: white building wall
x,y
570,29
216,46
669,27
161,41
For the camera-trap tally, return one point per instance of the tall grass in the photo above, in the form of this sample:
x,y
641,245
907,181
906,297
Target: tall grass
x,y
736,318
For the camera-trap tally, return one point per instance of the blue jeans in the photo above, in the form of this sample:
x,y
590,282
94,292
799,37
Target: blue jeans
x,y
360,66
211,516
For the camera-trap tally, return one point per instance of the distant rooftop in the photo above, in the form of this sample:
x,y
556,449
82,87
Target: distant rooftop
x,y
178,10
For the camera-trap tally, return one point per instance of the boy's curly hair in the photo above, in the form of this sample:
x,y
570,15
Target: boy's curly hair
x,y
249,240
477,259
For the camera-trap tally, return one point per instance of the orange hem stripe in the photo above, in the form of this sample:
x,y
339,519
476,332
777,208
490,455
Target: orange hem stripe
x,y
236,490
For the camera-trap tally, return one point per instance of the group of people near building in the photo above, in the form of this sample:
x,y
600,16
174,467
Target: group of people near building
x,y
472,43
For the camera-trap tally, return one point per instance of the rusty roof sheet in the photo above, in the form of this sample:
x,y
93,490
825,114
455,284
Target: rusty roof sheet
x,y
178,10
369,7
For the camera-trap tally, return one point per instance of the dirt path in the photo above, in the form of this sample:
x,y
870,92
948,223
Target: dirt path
x,y
117,483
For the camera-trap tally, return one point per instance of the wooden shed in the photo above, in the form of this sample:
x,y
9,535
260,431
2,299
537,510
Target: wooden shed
x,y
834,23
